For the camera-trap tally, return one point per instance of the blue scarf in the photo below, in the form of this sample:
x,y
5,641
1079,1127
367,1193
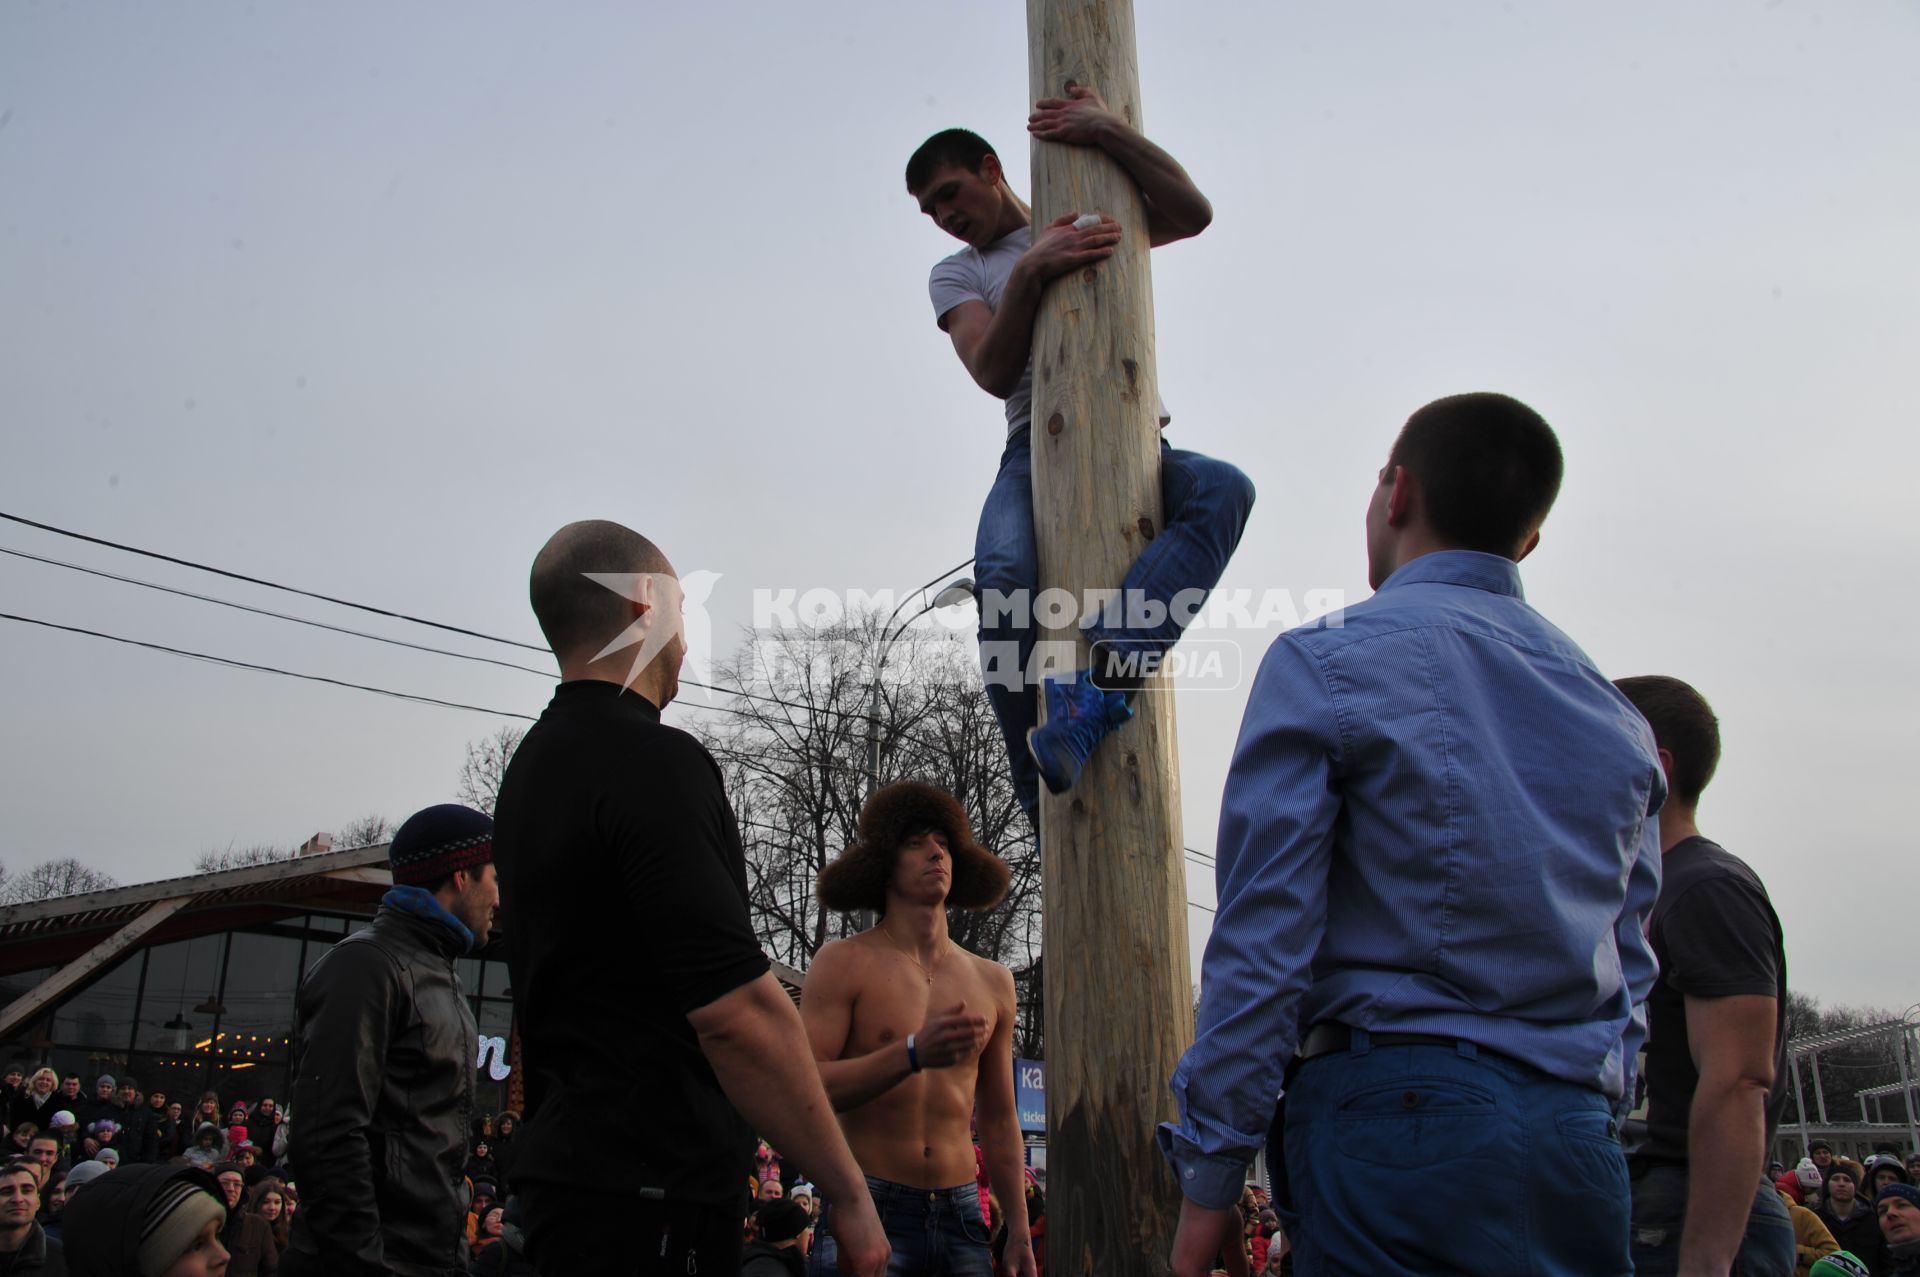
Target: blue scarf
x,y
422,903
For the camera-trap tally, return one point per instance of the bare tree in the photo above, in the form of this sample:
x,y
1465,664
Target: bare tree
x,y
486,767
240,857
367,831
802,741
50,879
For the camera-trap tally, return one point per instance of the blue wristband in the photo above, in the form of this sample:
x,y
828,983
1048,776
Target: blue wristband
x,y
913,1055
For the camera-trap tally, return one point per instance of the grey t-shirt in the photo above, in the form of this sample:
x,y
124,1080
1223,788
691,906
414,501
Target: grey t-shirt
x,y
976,274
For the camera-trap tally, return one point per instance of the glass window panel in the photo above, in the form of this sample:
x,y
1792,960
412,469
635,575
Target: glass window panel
x,y
257,1026
495,1016
499,982
101,1015
21,1045
180,977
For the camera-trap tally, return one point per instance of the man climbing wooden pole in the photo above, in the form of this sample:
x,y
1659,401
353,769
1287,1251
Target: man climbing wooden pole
x,y
1055,318
1118,992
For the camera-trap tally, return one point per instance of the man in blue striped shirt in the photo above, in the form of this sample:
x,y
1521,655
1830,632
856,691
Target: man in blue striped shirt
x,y
1437,852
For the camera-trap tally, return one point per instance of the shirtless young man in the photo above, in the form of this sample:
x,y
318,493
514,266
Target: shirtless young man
x,y
912,1033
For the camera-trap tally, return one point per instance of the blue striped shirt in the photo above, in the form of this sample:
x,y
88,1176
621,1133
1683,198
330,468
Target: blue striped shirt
x,y
1440,820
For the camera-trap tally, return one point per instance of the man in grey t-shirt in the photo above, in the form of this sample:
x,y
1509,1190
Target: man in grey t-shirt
x,y
985,297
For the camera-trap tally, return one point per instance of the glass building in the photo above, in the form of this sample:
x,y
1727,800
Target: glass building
x,y
188,985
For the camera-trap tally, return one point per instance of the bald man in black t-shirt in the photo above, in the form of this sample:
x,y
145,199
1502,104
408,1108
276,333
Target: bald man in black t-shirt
x,y
1716,1029
655,1042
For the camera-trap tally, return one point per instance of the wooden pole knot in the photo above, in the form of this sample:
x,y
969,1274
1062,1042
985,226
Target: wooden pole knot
x,y
1056,423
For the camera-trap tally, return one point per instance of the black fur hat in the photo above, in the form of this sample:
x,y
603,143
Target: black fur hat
x,y
858,878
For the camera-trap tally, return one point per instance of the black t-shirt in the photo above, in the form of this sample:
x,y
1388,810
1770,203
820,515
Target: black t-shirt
x,y
1716,936
623,895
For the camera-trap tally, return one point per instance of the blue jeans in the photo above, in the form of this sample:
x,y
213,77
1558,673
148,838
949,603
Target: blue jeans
x,y
1204,507
1436,1160
934,1232
1660,1208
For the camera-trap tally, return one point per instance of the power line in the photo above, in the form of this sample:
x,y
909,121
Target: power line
x,y
271,585
278,616
379,638
335,682
264,669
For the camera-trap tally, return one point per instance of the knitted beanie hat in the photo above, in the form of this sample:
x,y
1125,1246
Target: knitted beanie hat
x,y
1906,1192
1841,1263
85,1173
175,1217
438,841
781,1221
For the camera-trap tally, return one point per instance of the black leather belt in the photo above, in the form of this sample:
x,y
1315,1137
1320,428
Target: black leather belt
x,y
1330,1037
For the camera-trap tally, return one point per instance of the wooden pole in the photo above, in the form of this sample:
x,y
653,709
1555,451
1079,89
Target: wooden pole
x,y
1119,1001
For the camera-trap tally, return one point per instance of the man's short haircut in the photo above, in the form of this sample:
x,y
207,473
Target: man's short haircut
x,y
574,610
20,1166
949,148
1489,468
1683,724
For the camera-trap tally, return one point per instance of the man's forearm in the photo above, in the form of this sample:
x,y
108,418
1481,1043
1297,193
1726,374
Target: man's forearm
x,y
1726,1148
1000,360
851,1083
1175,199
1001,1147
752,1050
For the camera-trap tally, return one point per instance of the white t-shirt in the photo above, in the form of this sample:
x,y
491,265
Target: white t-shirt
x,y
975,274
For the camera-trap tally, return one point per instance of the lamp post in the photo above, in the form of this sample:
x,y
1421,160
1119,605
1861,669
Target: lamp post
x,y
952,594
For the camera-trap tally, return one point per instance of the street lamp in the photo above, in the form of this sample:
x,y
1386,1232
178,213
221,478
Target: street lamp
x,y
953,594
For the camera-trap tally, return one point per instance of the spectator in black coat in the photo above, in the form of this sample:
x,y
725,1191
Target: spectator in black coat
x,y
262,1124
24,1245
1850,1218
508,1256
160,1132
38,1102
783,1231
131,1119
480,1165
247,1237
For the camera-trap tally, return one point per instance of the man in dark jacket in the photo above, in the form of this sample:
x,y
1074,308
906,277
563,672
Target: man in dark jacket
x,y
132,1120
1898,1205
24,1245
248,1237
781,1250
384,1045
101,1108
160,1133
1849,1216
145,1219
261,1125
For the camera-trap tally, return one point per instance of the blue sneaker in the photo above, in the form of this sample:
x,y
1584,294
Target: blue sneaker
x,y
1079,716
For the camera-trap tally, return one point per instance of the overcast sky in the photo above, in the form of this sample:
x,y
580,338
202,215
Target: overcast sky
x,y
371,298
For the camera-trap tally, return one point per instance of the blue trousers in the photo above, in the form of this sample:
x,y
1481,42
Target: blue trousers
x,y
1447,1160
1204,507
1660,1208
934,1232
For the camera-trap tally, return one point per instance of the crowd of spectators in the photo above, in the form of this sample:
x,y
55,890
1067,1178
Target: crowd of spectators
x,y
62,1140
